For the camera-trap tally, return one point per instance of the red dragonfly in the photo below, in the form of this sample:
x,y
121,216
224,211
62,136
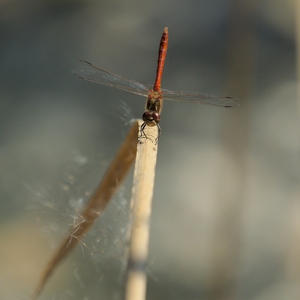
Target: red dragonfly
x,y
155,95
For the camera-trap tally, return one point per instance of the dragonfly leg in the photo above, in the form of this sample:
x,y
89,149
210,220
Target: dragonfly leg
x,y
159,132
143,134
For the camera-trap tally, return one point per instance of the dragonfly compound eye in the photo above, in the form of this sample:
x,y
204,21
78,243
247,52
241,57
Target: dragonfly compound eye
x,y
151,117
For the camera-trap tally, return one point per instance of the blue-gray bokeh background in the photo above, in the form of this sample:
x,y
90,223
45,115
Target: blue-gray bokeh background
x,y
225,221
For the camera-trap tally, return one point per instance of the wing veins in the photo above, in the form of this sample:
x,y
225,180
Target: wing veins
x,y
194,97
104,77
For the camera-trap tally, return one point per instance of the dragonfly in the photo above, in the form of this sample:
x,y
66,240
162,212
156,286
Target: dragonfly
x,y
154,93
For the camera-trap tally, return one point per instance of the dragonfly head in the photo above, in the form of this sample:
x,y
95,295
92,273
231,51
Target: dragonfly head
x,y
151,117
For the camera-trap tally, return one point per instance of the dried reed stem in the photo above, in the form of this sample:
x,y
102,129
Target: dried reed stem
x,y
141,200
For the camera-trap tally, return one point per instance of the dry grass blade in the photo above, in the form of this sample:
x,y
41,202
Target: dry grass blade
x,y
96,204
142,193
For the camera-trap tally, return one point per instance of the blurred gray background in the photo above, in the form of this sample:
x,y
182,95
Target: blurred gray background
x,y
226,210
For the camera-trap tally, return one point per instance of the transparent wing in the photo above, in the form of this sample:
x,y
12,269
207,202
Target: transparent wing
x,y
104,77
200,98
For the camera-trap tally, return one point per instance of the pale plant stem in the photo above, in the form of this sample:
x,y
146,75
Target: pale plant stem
x,y
141,202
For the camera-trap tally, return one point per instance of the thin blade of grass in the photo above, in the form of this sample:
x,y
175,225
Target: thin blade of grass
x,y
111,181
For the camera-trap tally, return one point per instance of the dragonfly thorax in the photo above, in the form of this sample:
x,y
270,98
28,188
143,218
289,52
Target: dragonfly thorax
x,y
154,101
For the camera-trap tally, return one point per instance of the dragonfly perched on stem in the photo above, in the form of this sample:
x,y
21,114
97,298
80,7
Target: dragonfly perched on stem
x,y
155,94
